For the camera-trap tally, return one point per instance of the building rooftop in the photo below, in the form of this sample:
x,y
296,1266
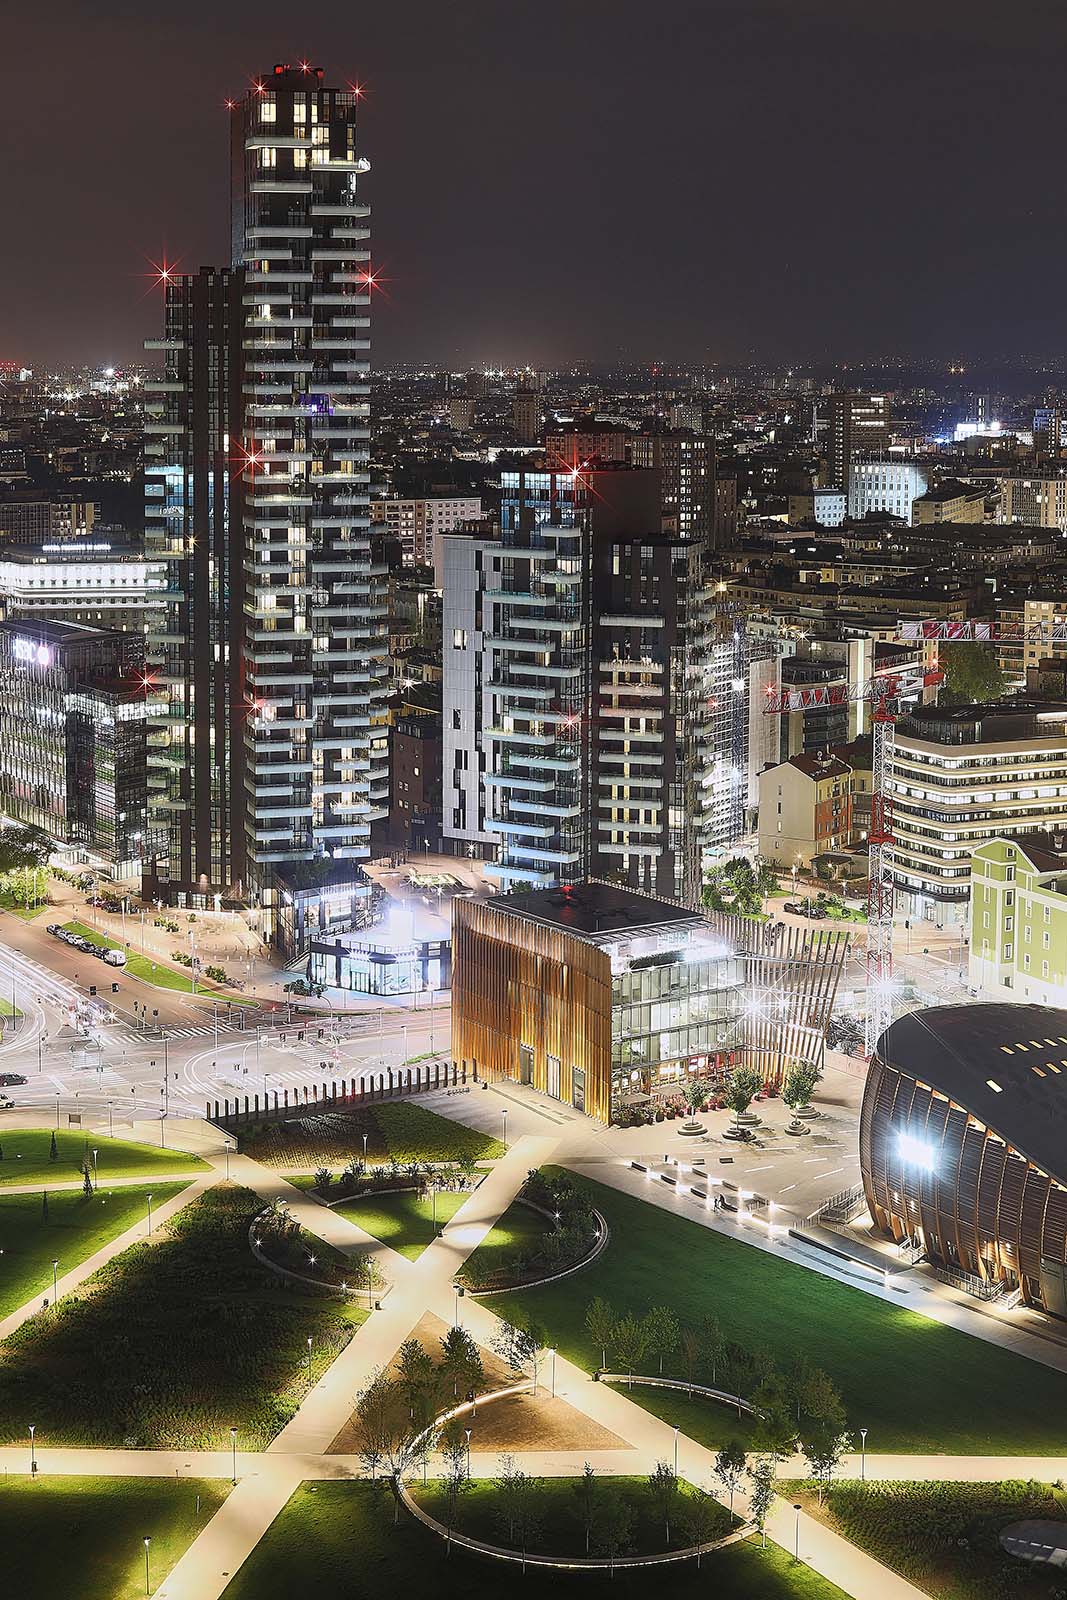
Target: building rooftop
x,y
1045,850
1005,1063
596,911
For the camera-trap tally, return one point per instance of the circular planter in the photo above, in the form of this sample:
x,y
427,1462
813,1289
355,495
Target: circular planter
x,y
808,1112
603,1235
301,1278
692,1130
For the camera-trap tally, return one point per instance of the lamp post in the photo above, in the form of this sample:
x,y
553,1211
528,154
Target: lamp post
x,y
552,1353
55,1286
147,1577
33,1451
676,1450
96,1168
467,1431
233,1443
150,1213
863,1455
796,1533
364,1149
309,1360
504,1120
458,1290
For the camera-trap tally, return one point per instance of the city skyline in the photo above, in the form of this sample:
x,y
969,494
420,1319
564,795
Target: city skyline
x,y
747,182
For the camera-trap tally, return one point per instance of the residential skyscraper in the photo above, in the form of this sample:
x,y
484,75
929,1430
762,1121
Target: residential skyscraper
x,y
296,627
858,431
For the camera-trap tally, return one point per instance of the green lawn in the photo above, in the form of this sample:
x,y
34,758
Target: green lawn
x,y
943,1537
171,1344
155,972
916,1385
72,1230
84,1537
24,1157
396,1130
702,1419
405,1222
7,1009
310,1548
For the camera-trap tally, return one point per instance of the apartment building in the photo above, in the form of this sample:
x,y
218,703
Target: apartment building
x,y
1041,502
420,524
815,805
962,775
1018,919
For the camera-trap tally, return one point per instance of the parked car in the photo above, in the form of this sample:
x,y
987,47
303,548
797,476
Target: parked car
x,y
114,958
10,1080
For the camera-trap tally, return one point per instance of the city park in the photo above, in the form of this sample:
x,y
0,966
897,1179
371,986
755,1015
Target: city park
x,y
384,1341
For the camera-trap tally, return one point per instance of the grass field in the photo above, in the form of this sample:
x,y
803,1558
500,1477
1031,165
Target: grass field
x,y
405,1222
85,1537
916,1385
149,971
712,1424
24,1157
7,1009
396,1130
943,1537
310,1550
171,1344
72,1230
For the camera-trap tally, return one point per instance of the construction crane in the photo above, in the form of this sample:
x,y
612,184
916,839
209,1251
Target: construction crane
x,y
884,692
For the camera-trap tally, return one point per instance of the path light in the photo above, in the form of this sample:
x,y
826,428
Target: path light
x,y
55,1285
147,1580
675,1449
233,1442
150,1213
863,1455
309,1361
467,1431
33,1451
552,1353
796,1539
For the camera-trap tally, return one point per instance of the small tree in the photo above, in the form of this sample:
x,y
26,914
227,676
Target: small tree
x,y
585,1493
521,1348
323,1179
461,1361
824,1448
600,1326
44,1205
800,1080
663,1485
745,1083
631,1342
416,1379
508,1495
528,1517
699,1516
453,1445
689,1344
53,1149
87,1183
613,1529
384,1428
819,1403
776,1429
761,1496
662,1330
730,1468
713,1347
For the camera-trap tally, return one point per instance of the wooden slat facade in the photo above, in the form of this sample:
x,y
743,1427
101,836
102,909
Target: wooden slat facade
x,y
517,982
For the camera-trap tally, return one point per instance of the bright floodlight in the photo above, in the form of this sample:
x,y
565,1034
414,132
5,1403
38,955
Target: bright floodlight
x,y
916,1152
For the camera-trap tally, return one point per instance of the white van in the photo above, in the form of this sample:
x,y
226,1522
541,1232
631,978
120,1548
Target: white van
x,y
115,958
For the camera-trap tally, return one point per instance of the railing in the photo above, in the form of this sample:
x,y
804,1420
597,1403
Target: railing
x,y
969,1283
419,1079
839,1207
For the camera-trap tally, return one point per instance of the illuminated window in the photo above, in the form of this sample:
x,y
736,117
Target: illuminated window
x,y
992,1084
268,111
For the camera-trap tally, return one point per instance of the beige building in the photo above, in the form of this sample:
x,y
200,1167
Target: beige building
x,y
812,805
949,502
1040,502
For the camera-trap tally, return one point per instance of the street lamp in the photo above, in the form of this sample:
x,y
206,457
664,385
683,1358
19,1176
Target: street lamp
x,y
364,1149
233,1443
96,1168
676,1450
309,1361
147,1578
33,1451
504,1119
796,1535
150,1213
552,1353
467,1431
863,1455
459,1290
55,1286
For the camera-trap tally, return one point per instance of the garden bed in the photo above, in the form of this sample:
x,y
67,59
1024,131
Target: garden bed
x,y
400,1130
171,1344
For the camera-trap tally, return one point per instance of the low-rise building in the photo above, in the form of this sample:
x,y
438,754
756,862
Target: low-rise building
x,y
90,581
815,804
949,502
1018,945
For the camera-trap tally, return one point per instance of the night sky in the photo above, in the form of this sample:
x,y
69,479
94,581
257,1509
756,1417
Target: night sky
x,y
689,180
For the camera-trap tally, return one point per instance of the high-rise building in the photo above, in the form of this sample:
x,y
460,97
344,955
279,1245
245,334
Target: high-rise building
x,y
1038,502
858,430
607,731
526,416
419,524
264,467
686,464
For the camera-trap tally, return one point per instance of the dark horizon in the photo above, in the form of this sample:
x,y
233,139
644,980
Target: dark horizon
x,y
752,181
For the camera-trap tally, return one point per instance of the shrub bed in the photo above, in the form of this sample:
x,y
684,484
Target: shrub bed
x,y
397,1130
569,1237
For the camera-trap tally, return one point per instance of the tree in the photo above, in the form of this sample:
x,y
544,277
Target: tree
x,y
585,1493
972,673
631,1342
613,1530
713,1346
689,1343
776,1429
600,1326
416,1379
819,1403
453,1445
461,1361
508,1495
699,1514
44,1204
745,1083
761,1496
528,1517
53,1150
521,1348
800,1080
662,1332
730,1468
23,847
824,1448
663,1485
384,1428
87,1182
